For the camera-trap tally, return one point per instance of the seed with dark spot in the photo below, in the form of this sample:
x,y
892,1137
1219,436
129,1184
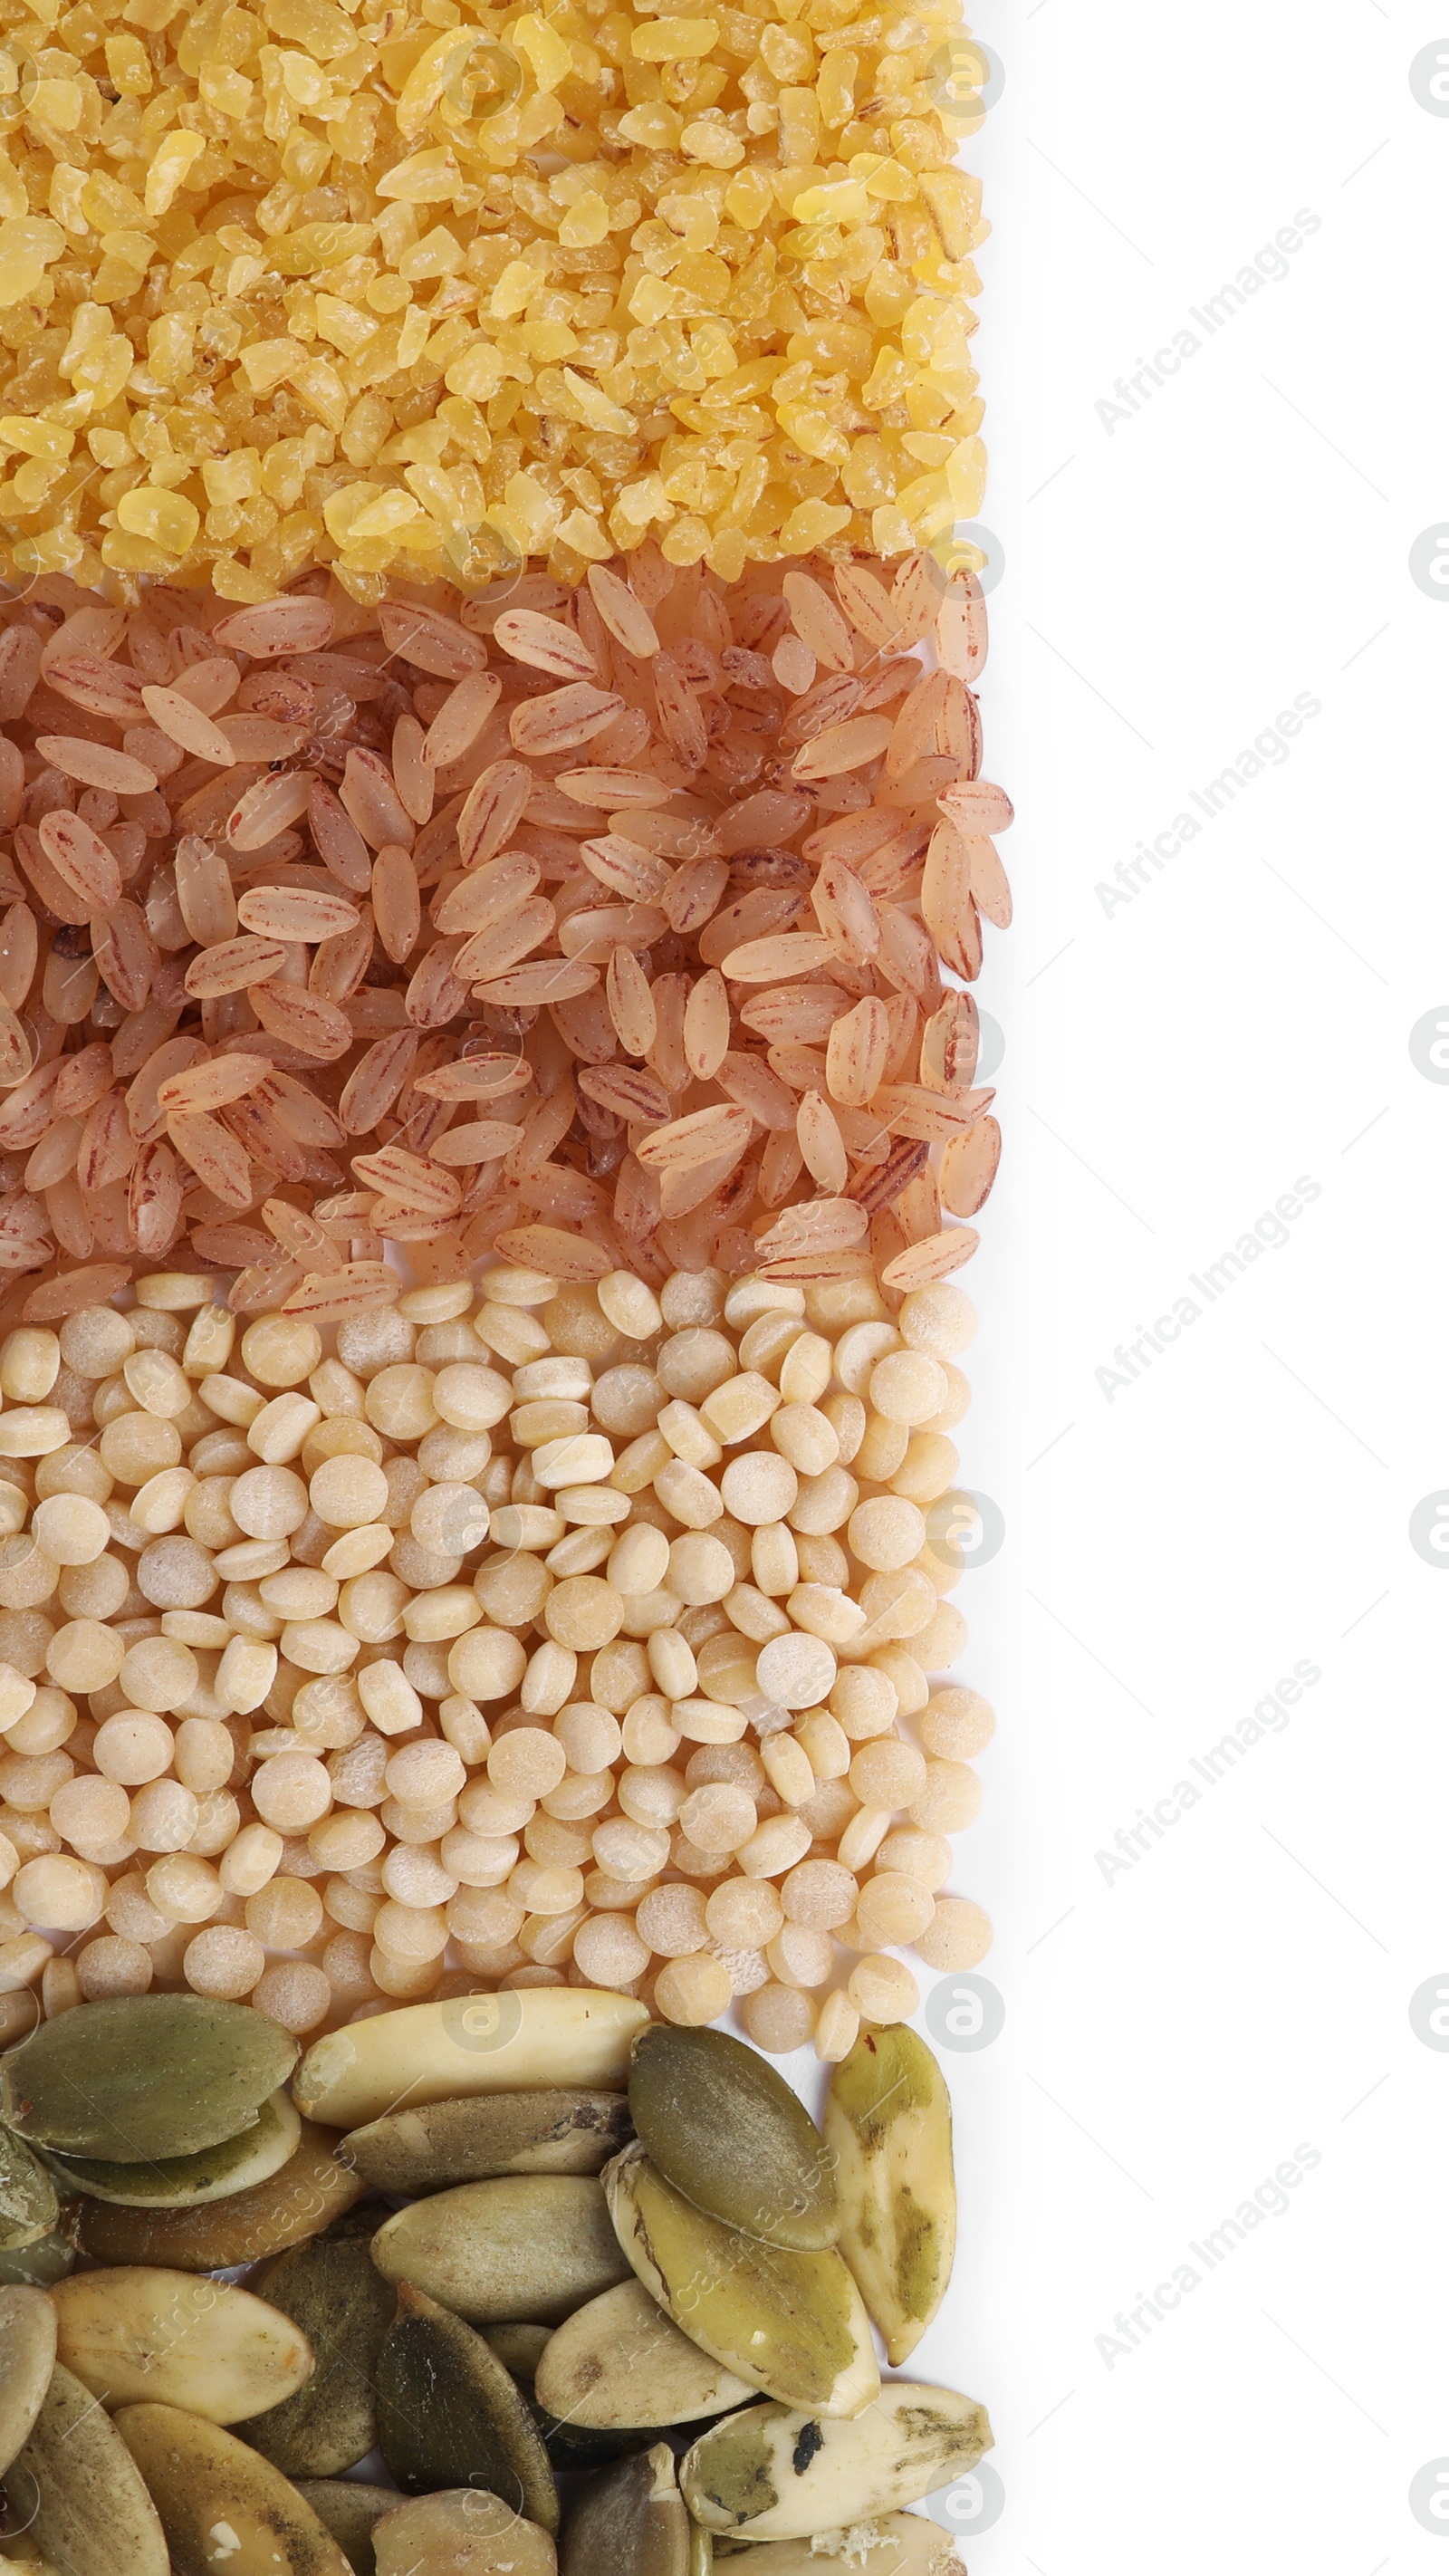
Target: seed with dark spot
x,y
811,2440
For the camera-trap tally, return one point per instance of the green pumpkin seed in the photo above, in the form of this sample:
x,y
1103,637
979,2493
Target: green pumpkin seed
x,y
28,2205
188,2182
504,2133
334,2293
141,2333
792,2324
223,2508
629,2520
351,2512
903,2544
27,2358
448,2412
774,2473
468,2044
144,2075
307,2193
888,2123
621,2362
76,2493
529,2247
34,2267
461,2532
726,2130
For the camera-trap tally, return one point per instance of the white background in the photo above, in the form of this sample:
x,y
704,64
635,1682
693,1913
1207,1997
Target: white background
x,y
1171,1068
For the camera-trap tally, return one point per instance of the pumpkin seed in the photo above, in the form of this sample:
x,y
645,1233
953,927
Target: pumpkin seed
x,y
888,2121
34,2267
461,2532
469,2044
727,2131
141,2333
144,2075
310,2189
188,2182
334,2293
621,2361
27,2358
28,2205
220,2505
507,2133
773,2473
76,2492
792,2324
629,2520
448,2412
901,2544
532,2246
351,2512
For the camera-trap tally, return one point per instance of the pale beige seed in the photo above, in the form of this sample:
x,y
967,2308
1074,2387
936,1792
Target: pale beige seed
x,y
693,1990
883,1989
778,2018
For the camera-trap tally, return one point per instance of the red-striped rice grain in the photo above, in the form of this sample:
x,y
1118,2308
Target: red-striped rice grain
x,y
544,644
186,724
429,640
316,1028
292,913
358,1288
214,1155
461,719
625,616
233,966
94,764
81,858
266,808
564,719
298,625
538,985
630,1001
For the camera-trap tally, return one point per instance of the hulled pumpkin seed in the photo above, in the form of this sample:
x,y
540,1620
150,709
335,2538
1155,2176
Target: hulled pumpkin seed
x,y
507,2133
888,2121
791,2324
27,2358
469,2044
141,2333
351,2512
448,2412
526,2247
188,2182
309,2191
461,2532
621,2362
773,2473
332,2290
902,2544
726,2130
76,2492
34,2267
221,2507
28,2205
144,2075
629,2520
